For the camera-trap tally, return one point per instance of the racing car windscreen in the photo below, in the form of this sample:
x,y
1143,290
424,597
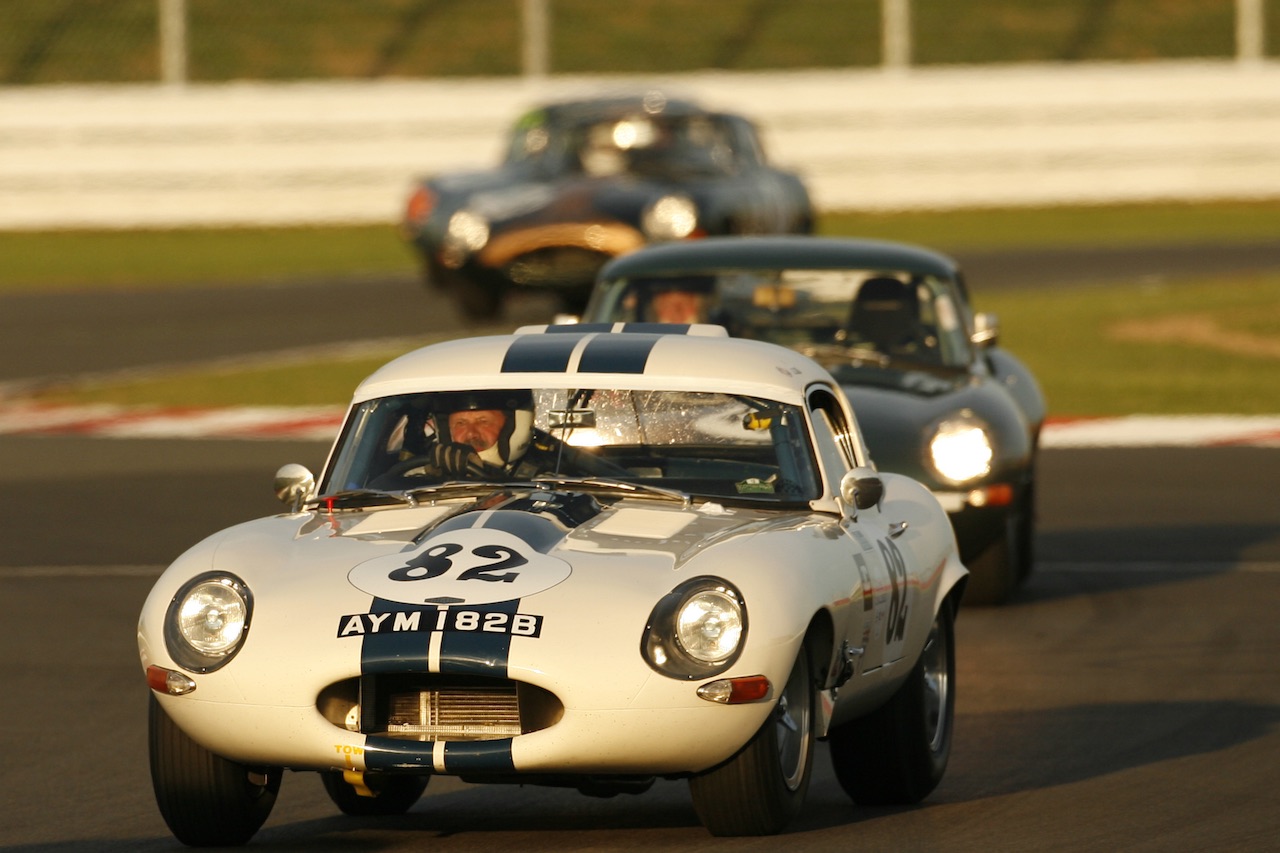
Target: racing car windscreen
x,y
702,443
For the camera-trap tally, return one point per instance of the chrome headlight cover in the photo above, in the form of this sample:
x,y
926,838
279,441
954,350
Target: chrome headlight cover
x,y
960,449
672,217
697,630
207,621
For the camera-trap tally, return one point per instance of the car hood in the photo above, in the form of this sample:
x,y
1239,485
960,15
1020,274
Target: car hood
x,y
509,198
413,555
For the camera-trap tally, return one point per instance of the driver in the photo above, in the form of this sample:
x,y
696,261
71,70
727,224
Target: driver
x,y
483,435
489,436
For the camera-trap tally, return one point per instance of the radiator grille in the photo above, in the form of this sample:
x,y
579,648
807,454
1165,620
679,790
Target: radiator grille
x,y
454,714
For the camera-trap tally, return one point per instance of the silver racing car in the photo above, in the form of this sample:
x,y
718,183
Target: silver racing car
x,y
566,557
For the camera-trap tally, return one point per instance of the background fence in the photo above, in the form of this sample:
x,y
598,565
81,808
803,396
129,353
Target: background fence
x,y
250,140
61,41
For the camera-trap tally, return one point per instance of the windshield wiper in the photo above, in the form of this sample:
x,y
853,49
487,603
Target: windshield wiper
x,y
459,488
351,498
544,480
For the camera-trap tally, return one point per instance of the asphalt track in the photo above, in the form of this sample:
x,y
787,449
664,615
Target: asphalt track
x,y
1129,698
51,337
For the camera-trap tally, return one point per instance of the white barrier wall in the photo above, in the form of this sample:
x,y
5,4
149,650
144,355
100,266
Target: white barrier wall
x,y
127,156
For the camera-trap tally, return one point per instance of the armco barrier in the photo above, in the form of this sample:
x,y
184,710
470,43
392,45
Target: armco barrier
x,y
128,156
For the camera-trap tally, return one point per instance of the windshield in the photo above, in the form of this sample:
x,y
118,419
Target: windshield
x,y
831,315
702,444
653,146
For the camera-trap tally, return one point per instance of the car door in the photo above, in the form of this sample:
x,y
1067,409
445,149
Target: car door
x,y
871,630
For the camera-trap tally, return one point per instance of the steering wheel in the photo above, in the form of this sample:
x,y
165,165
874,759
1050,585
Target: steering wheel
x,y
396,473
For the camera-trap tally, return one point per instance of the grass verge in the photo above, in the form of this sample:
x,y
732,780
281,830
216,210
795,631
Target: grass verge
x,y
1196,347
1202,347
82,260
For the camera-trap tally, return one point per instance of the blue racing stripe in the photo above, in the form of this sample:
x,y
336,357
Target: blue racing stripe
x,y
384,753
539,354
657,328
617,354
397,651
476,651
479,756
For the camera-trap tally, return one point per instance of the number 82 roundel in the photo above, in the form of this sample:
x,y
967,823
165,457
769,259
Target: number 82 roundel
x,y
470,566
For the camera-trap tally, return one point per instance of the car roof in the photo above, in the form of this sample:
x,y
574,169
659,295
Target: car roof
x,y
780,252
632,356
595,109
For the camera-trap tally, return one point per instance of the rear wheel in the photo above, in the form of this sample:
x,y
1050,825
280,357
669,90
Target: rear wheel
x,y
392,795
207,800
897,754
759,790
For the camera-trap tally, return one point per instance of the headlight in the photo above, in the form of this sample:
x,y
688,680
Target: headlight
x,y
672,217
696,630
466,234
207,621
961,450
709,626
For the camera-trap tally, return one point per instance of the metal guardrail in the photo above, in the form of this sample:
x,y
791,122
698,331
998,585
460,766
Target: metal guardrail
x,y
311,153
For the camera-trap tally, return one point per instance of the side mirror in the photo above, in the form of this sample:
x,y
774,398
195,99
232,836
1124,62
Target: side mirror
x,y
294,484
986,329
861,488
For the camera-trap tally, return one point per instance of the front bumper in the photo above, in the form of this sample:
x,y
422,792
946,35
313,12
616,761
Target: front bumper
x,y
561,256
651,740
979,516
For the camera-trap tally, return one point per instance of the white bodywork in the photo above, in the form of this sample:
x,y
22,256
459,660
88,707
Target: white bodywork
x,y
859,587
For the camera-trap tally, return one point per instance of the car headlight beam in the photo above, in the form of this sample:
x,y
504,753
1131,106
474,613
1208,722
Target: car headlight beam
x,y
207,621
961,450
697,630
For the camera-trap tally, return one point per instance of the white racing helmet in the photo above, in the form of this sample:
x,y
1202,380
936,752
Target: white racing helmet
x,y
517,431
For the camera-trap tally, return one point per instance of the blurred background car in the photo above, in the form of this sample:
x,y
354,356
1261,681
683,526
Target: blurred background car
x,y
584,181
936,396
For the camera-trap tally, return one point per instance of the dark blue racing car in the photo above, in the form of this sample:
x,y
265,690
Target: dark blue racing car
x,y
937,398
585,181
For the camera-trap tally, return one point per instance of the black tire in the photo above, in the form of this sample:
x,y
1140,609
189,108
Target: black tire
x,y
896,755
207,800
392,795
479,300
1026,556
574,302
760,790
1007,561
993,574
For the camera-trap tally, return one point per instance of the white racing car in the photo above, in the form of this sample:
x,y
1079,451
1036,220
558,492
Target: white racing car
x,y
676,560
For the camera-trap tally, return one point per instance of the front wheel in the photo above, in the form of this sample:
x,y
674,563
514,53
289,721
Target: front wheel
x,y
896,755
759,790
207,800
392,795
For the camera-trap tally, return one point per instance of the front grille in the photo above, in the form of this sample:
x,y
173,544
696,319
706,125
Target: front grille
x,y
564,266
432,707
455,714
